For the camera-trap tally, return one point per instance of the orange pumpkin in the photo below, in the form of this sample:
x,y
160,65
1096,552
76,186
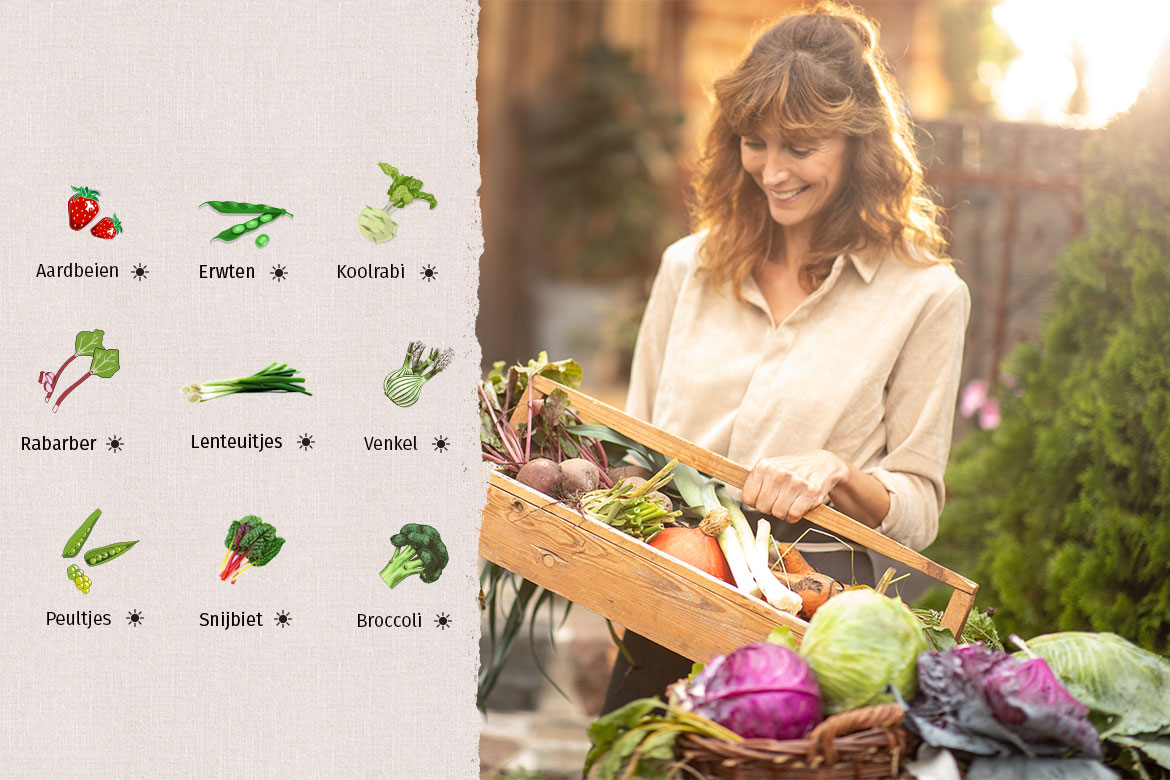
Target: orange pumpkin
x,y
692,546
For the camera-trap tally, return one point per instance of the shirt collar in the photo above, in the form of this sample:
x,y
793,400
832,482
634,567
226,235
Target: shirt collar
x,y
866,261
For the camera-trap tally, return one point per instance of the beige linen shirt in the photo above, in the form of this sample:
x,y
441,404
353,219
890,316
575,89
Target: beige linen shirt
x,y
867,367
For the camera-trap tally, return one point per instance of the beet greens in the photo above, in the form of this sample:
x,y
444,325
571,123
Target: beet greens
x,y
546,432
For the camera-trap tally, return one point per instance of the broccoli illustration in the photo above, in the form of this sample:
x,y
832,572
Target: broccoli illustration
x,y
418,550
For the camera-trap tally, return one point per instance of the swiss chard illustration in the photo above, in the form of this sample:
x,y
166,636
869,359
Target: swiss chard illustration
x,y
103,364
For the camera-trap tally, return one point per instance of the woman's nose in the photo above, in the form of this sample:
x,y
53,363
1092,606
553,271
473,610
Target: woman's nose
x,y
775,172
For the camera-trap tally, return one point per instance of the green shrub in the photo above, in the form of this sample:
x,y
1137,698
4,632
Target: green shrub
x,y
1062,513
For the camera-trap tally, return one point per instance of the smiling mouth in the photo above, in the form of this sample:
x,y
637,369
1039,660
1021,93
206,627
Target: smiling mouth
x,y
786,196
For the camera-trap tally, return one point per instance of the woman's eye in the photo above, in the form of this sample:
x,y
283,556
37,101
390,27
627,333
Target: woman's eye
x,y
752,143
800,151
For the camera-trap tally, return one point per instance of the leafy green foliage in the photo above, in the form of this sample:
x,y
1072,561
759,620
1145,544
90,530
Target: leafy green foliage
x,y
602,156
980,628
637,740
105,363
248,539
405,189
1060,513
971,41
87,341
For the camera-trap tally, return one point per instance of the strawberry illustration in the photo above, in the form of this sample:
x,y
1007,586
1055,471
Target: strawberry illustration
x,y
107,227
83,207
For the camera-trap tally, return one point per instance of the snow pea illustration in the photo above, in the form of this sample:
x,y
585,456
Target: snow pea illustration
x,y
264,215
77,541
100,555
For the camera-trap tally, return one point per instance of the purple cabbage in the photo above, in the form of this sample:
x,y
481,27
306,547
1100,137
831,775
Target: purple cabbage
x,y
986,702
1028,698
758,690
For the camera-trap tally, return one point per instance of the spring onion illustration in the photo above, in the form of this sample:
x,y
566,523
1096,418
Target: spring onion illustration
x,y
404,385
276,378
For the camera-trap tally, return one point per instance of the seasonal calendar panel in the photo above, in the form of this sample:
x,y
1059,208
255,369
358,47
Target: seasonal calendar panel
x,y
242,494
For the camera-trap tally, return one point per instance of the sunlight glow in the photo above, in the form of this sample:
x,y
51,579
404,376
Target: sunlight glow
x,y
1120,41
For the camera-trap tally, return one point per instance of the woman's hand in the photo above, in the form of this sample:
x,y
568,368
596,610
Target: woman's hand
x,y
788,487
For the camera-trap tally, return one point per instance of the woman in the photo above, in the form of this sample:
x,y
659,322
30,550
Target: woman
x,y
814,327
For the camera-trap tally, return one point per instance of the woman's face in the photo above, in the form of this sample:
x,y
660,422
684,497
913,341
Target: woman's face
x,y
800,177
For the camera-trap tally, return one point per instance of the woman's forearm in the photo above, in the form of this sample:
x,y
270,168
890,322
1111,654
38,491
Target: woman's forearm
x,y
861,496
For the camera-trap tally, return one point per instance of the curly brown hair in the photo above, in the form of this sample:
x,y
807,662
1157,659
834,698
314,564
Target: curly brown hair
x,y
813,74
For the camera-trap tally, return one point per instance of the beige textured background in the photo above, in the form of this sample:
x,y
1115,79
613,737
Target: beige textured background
x,y
162,106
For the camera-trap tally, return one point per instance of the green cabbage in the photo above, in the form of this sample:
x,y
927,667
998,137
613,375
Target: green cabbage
x,y
859,643
1126,688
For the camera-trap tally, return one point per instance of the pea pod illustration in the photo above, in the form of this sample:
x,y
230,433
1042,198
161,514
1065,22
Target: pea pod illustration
x,y
100,555
77,541
264,214
236,207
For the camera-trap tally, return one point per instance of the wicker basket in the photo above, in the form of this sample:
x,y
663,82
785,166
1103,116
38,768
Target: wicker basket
x,y
860,744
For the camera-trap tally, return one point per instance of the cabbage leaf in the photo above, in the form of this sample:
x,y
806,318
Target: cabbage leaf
x,y
1126,688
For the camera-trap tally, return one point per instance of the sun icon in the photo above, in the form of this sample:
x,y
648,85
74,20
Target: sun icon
x,y
429,273
134,618
282,619
305,441
140,272
443,621
115,444
279,273
441,444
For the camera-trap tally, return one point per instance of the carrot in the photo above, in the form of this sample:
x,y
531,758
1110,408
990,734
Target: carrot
x,y
814,589
794,562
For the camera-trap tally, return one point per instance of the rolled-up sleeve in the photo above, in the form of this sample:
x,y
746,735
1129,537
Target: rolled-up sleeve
x,y
920,408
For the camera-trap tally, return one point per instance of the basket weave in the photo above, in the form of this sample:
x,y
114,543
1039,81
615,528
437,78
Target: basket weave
x,y
862,744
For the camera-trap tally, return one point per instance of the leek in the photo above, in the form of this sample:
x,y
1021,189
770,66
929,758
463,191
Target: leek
x,y
775,592
699,493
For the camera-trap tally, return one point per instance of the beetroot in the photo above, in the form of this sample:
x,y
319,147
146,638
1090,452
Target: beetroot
x,y
542,475
618,473
581,476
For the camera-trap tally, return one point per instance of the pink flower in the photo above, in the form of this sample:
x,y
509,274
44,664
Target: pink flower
x,y
989,414
972,398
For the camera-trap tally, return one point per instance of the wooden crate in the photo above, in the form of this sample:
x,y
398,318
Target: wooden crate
x,y
637,586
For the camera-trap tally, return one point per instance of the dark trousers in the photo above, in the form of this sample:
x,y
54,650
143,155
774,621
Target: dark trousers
x,y
655,667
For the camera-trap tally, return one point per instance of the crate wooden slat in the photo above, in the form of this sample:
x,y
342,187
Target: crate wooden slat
x,y
616,576
651,593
